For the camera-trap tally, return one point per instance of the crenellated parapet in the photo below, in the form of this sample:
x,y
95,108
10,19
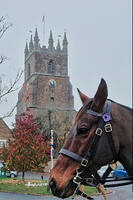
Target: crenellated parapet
x,y
35,46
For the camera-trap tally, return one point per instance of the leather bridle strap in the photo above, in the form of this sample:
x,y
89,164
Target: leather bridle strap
x,y
87,160
92,150
109,135
91,112
71,155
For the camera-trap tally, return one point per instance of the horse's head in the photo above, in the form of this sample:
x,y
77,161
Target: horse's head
x,y
79,141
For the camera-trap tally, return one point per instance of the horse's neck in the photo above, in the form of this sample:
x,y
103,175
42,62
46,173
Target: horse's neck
x,y
124,131
126,159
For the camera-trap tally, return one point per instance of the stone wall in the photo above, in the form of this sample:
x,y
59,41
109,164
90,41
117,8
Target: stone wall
x,y
38,93
38,62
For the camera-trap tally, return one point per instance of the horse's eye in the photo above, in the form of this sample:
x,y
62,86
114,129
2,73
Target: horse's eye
x,y
82,130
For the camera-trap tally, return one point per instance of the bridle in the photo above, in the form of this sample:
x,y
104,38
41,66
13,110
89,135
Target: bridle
x,y
86,163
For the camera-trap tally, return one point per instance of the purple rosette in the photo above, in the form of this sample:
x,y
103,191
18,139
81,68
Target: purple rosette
x,y
106,117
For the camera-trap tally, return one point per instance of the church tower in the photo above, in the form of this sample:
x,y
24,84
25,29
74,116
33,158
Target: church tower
x,y
46,85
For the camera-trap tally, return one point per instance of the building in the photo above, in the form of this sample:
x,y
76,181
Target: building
x,y
5,133
47,88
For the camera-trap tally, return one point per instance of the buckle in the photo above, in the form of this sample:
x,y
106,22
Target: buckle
x,y
77,179
108,128
89,180
98,131
84,162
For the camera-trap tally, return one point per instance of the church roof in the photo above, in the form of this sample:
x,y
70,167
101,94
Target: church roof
x,y
5,131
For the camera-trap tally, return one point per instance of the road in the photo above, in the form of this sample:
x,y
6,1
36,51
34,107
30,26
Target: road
x,y
120,193
9,196
33,175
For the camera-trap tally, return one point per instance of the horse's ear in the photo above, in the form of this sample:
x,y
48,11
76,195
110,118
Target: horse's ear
x,y
100,97
83,97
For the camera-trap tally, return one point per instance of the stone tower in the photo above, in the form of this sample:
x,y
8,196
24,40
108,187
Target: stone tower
x,y
46,85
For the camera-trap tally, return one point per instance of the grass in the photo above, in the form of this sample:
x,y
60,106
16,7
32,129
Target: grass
x,y
90,190
18,186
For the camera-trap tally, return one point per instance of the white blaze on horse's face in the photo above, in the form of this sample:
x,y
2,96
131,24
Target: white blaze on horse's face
x,y
79,141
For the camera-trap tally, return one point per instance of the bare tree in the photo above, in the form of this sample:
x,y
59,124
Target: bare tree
x,y
5,90
4,26
12,85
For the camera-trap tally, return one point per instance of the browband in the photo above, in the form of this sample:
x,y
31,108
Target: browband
x,y
91,112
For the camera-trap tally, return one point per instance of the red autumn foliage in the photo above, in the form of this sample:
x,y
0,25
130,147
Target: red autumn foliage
x,y
28,150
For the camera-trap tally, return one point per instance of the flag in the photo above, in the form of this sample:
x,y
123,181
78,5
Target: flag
x,y
52,145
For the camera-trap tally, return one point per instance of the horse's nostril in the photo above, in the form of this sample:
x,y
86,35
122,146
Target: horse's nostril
x,y
52,184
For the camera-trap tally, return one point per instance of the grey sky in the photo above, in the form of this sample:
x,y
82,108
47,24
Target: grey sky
x,y
99,36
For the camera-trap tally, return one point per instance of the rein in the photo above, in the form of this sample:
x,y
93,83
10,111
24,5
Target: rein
x,y
86,163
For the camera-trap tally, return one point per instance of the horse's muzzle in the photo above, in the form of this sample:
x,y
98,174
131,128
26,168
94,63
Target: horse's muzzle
x,y
53,187
64,193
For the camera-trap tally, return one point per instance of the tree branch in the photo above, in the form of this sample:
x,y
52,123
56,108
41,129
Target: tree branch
x,y
2,59
9,114
3,26
12,87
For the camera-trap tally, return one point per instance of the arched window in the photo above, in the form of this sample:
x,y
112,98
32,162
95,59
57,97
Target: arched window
x,y
51,68
28,70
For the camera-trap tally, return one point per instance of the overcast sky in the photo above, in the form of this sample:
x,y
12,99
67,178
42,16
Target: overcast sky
x,y
99,37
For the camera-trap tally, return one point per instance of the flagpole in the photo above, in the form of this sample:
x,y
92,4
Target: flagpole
x,y
0,87
52,148
43,27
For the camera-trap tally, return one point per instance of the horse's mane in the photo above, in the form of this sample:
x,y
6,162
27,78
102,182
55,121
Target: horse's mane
x,y
87,105
126,107
82,110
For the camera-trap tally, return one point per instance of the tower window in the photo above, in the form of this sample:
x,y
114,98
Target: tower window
x,y
28,70
51,101
51,67
2,142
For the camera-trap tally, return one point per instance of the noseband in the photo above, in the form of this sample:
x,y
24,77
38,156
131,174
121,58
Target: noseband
x,y
86,163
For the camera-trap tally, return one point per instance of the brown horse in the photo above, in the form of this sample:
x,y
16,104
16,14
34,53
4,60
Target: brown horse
x,y
81,137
